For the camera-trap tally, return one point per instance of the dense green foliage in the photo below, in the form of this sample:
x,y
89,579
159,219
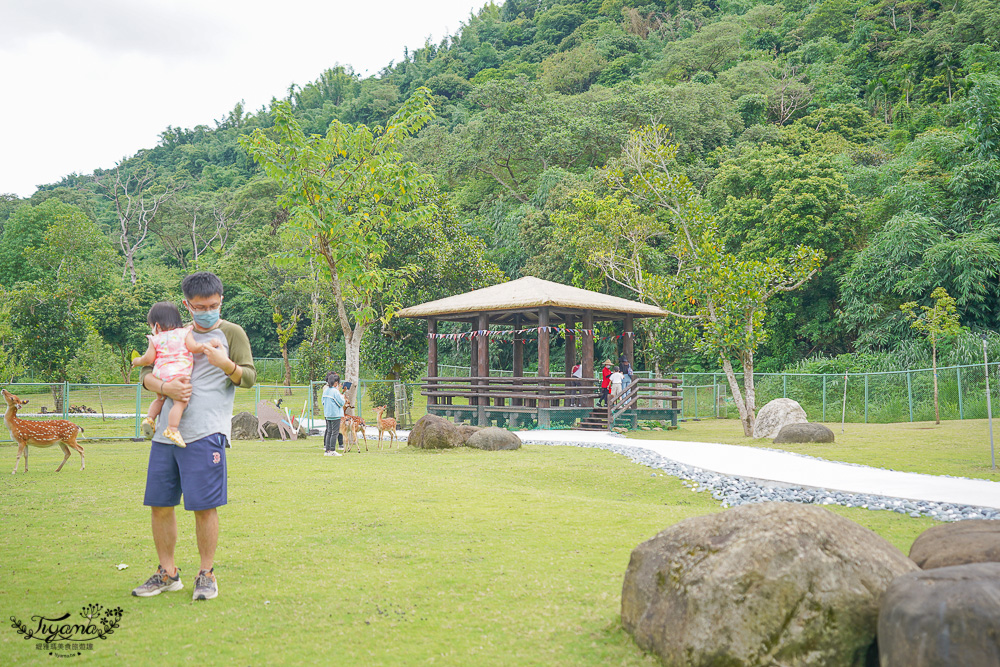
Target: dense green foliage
x,y
868,130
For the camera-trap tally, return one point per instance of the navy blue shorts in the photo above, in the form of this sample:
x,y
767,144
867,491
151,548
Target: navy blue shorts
x,y
198,472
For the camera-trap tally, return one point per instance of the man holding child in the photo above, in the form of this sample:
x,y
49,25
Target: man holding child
x,y
198,471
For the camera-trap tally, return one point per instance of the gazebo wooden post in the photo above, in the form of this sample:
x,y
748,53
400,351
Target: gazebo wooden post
x,y
628,348
483,370
432,357
543,364
570,347
518,360
588,354
570,358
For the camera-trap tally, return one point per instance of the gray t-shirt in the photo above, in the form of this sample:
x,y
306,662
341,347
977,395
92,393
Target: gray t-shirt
x,y
210,409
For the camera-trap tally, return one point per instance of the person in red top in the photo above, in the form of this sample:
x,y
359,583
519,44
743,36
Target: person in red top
x,y
605,382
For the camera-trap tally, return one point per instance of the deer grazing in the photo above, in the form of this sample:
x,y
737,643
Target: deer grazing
x,y
387,424
350,426
39,433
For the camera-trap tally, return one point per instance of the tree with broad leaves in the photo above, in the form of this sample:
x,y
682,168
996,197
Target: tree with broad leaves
x,y
937,322
254,263
345,190
656,237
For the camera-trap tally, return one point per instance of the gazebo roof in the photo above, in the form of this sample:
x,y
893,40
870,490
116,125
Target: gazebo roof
x,y
525,296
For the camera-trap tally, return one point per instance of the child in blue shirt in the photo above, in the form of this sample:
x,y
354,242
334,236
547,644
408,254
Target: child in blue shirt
x,y
333,411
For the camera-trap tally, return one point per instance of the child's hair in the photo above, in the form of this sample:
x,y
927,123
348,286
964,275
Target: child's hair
x,y
166,315
332,379
618,369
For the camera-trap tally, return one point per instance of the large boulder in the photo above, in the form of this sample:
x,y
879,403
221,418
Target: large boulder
x,y
466,431
943,617
762,584
776,414
433,432
958,543
244,426
493,439
803,433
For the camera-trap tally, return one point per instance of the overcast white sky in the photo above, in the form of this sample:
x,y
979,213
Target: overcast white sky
x,y
84,84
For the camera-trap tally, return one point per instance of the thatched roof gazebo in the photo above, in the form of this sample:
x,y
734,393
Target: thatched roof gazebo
x,y
526,304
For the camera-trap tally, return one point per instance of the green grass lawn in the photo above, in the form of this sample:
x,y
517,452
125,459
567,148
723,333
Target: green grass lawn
x,y
396,557
959,448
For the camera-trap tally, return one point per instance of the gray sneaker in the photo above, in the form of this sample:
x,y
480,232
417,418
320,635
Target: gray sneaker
x,y
158,583
205,585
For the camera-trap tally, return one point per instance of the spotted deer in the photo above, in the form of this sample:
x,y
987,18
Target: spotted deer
x,y
350,426
387,424
39,433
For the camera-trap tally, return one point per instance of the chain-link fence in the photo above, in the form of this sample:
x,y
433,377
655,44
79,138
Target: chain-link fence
x,y
115,411
897,396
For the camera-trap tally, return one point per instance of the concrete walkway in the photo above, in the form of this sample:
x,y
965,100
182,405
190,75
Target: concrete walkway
x,y
785,468
790,469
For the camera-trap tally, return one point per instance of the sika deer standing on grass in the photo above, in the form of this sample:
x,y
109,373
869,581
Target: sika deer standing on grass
x,y
387,424
39,433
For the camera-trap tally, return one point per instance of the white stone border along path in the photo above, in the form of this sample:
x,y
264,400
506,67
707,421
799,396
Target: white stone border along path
x,y
736,475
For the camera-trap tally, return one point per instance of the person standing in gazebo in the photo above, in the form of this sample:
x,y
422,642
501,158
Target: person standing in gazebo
x,y
577,375
605,382
626,368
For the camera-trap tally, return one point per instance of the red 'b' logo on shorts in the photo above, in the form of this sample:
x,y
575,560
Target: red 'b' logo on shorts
x,y
215,457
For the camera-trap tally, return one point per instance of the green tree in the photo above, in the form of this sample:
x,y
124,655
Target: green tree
x,y
256,263
48,332
346,189
119,316
11,367
726,296
938,322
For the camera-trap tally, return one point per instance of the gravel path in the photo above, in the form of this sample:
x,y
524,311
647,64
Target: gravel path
x,y
736,475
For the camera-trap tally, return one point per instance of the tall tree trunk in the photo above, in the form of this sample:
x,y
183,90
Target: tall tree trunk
x,y
352,364
750,397
746,417
288,370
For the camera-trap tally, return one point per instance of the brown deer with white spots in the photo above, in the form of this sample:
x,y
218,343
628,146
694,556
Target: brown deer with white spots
x,y
350,426
388,424
39,433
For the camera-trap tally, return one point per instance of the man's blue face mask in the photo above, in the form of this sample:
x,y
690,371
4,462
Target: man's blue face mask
x,y
205,316
207,319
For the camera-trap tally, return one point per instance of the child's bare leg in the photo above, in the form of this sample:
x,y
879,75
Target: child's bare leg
x,y
156,406
174,422
175,414
154,411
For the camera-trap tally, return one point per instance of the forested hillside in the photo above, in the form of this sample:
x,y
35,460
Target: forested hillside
x,y
866,130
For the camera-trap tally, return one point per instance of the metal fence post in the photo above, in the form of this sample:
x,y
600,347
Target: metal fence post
x,y
909,393
715,399
866,398
784,385
138,409
958,376
311,405
824,397
65,393
256,398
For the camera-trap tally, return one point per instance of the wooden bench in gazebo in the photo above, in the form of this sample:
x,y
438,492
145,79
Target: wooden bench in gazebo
x,y
543,401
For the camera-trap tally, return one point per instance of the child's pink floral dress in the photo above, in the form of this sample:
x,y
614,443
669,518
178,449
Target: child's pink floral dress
x,y
173,359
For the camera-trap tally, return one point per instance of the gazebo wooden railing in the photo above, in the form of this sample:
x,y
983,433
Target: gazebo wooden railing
x,y
525,402
658,398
